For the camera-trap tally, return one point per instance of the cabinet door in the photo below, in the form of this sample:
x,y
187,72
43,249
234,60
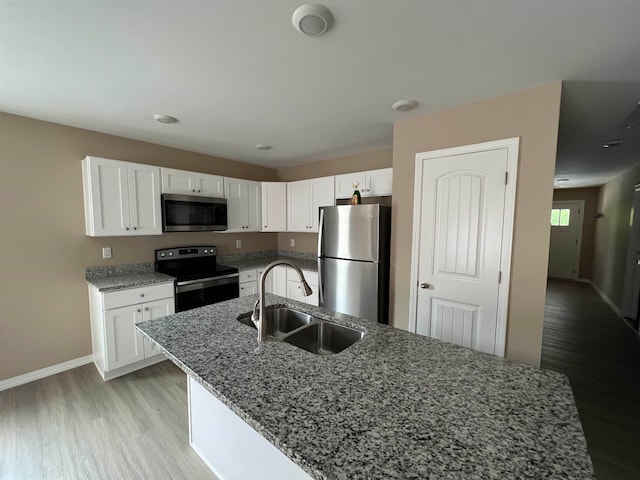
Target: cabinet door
x,y
248,288
344,183
274,206
144,199
298,206
379,182
321,193
124,344
106,197
268,284
151,311
209,185
235,192
177,181
280,280
254,210
294,291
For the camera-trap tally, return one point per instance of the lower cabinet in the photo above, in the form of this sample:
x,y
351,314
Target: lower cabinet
x,y
118,348
281,281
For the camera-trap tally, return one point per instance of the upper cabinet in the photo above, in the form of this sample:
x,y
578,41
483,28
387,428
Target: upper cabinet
x,y
192,183
274,206
304,198
243,205
121,198
372,183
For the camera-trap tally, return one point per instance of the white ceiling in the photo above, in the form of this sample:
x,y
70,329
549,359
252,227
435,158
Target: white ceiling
x,y
236,73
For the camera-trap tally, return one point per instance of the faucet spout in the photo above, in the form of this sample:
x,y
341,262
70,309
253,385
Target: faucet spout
x,y
259,317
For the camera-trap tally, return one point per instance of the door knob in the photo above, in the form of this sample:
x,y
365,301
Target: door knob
x,y
424,285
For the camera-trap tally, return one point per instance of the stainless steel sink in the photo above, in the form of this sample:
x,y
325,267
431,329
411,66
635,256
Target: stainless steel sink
x,y
305,331
280,320
324,338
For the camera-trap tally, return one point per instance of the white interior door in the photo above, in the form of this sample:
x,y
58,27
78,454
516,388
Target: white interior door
x,y
462,240
565,242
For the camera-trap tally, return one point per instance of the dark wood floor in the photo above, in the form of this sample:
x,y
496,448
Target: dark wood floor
x,y
75,426
600,354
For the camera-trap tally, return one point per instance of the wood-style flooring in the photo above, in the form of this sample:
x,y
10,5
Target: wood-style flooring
x,y
584,339
75,426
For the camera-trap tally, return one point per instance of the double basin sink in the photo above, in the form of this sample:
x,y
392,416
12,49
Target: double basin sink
x,y
305,331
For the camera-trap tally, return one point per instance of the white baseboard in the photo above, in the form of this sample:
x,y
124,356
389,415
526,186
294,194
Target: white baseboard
x,y
44,372
613,306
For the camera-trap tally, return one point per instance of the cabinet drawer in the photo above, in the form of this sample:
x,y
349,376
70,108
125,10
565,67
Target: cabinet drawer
x,y
132,296
310,276
248,276
248,288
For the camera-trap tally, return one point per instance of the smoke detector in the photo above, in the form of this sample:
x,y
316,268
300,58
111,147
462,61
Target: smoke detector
x,y
404,105
312,19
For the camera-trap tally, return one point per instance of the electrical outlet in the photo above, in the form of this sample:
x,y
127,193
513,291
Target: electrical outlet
x,y
292,242
238,243
106,252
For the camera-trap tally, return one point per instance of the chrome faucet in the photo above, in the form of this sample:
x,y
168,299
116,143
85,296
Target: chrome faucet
x,y
259,317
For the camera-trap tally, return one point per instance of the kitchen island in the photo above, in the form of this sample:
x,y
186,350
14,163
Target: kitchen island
x,y
393,405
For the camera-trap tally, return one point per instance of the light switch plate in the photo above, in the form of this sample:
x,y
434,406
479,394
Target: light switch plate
x,y
106,252
238,243
292,242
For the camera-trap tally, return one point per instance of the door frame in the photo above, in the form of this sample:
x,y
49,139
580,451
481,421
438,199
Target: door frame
x,y
560,203
512,145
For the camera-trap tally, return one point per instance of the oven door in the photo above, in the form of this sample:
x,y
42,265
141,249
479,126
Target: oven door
x,y
197,293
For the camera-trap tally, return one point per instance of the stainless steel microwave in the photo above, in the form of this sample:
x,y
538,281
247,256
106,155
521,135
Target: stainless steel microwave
x,y
190,213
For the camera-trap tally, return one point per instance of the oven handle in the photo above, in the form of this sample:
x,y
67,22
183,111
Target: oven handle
x,y
190,285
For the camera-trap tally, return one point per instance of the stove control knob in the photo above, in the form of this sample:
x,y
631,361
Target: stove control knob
x,y
162,254
206,251
171,254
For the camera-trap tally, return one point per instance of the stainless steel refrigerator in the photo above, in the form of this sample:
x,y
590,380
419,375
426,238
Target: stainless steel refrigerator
x,y
353,260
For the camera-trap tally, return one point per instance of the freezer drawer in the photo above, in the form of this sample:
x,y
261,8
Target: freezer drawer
x,y
353,287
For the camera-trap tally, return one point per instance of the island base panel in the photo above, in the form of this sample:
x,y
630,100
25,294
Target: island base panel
x,y
232,449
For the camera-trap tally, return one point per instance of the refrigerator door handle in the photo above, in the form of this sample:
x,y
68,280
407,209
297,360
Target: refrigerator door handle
x,y
320,232
320,283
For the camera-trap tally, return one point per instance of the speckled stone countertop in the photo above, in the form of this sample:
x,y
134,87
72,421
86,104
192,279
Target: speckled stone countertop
x,y
250,261
120,277
395,405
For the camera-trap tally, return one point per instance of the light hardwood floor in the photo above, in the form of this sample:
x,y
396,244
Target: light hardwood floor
x,y
75,426
600,354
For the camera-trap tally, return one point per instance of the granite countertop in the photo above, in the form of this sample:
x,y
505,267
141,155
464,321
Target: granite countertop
x,y
394,405
120,277
249,262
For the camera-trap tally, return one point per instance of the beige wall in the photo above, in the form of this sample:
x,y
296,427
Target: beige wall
x,y
308,242
590,197
612,233
44,316
531,115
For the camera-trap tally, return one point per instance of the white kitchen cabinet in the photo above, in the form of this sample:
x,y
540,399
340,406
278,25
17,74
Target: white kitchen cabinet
x,y
121,198
248,288
248,280
274,206
294,286
192,183
304,198
118,348
243,205
372,183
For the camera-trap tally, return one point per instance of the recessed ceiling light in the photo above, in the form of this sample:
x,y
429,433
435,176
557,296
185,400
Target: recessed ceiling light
x,y
404,105
312,19
165,118
561,180
263,146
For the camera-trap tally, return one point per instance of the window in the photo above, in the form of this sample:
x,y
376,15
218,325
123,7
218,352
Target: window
x,y
560,217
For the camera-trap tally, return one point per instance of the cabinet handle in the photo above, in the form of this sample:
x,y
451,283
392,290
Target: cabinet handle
x,y
199,191
142,294
127,228
193,191
146,309
138,310
265,226
135,228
